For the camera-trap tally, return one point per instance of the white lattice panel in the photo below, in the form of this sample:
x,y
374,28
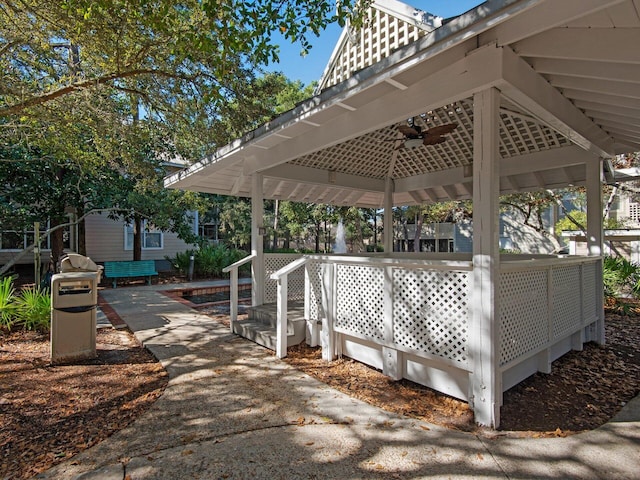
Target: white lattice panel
x,y
524,313
566,300
359,300
589,292
431,312
384,34
314,270
273,263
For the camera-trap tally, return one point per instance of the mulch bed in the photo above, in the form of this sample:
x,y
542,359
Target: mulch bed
x,y
50,413
584,390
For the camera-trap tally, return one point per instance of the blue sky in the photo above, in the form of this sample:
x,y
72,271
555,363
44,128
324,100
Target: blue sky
x,y
310,68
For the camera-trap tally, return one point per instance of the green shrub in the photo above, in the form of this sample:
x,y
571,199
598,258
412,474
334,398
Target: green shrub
x,y
7,303
209,260
621,279
181,261
33,310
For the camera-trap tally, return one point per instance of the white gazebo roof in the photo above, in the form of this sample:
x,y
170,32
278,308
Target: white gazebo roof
x,y
568,73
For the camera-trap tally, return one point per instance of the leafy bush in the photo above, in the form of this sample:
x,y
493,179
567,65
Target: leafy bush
x,y
30,308
181,261
621,278
209,260
33,309
7,303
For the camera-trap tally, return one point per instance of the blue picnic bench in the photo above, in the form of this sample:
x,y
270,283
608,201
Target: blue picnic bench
x,y
130,269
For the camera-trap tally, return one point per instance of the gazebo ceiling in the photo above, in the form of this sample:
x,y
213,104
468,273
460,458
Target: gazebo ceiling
x,y
569,77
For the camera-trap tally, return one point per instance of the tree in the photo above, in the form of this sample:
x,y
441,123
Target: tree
x,y
184,63
193,46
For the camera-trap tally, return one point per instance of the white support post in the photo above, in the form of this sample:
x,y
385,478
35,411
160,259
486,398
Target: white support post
x,y
233,297
387,226
392,359
595,237
281,317
486,381
327,338
257,224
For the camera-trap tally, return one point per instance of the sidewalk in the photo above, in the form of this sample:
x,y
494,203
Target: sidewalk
x,y
233,410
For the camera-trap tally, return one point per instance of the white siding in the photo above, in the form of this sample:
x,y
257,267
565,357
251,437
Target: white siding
x,y
105,242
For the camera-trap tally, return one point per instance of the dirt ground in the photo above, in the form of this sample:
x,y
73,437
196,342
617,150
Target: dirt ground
x,y
50,413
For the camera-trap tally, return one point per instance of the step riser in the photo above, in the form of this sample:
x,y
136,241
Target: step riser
x,y
266,336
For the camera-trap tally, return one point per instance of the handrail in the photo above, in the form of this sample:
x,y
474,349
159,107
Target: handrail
x,y
282,277
288,268
239,263
233,286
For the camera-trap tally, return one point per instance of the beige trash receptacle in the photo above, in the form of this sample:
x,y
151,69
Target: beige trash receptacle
x,y
74,297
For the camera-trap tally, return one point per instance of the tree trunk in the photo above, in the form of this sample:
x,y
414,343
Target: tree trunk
x,y
56,239
137,238
418,233
359,241
276,208
317,232
81,232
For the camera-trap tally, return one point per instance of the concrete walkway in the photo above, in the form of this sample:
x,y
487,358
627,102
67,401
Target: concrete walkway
x,y
232,410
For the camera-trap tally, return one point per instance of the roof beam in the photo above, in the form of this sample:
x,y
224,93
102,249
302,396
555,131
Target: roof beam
x,y
538,161
595,87
316,176
528,89
582,44
450,191
612,117
587,69
544,160
602,98
416,197
538,18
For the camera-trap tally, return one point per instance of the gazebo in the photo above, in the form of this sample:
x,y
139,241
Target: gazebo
x,y
543,92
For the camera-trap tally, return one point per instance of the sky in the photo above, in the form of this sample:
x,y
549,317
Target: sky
x,y
312,66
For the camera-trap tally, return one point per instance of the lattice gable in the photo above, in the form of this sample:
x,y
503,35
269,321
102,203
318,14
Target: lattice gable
x,y
371,155
390,26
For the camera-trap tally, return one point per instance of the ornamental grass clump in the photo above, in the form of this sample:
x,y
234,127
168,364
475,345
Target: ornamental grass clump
x,y
7,303
621,279
29,309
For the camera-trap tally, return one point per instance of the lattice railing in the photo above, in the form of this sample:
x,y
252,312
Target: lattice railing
x,y
360,300
416,308
430,312
544,303
274,262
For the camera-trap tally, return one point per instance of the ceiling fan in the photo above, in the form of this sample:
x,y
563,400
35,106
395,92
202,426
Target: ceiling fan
x,y
416,136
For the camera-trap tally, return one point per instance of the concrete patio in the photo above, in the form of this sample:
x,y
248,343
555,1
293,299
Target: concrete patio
x,y
225,414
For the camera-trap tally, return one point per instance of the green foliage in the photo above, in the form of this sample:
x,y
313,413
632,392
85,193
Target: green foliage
x,y
30,309
33,309
209,260
580,217
565,223
7,303
621,279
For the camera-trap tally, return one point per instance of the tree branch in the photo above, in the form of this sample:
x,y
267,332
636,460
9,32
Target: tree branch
x,y
82,85
5,268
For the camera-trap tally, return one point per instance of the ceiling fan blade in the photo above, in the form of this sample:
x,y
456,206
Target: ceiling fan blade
x,y
442,129
409,131
433,139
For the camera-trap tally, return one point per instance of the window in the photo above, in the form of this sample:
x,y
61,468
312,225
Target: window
x,y
634,212
151,239
19,240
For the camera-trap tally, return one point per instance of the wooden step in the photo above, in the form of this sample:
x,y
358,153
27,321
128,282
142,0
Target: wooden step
x,y
260,327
